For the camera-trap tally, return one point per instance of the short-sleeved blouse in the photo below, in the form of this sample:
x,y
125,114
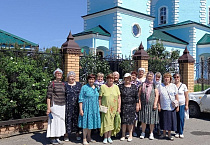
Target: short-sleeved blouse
x,y
182,88
165,100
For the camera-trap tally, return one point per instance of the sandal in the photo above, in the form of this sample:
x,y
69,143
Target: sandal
x,y
171,138
85,143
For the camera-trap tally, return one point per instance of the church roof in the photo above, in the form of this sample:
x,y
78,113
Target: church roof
x,y
121,9
204,40
10,39
96,30
164,36
188,22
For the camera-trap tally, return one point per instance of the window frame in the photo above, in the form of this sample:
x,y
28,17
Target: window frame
x,y
138,28
166,15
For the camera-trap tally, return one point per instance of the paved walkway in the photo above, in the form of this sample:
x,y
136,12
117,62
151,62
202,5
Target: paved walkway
x,y
197,132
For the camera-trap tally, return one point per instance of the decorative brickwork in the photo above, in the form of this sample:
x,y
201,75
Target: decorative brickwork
x,y
186,70
141,58
71,52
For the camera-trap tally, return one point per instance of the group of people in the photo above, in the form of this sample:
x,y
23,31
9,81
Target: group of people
x,y
113,105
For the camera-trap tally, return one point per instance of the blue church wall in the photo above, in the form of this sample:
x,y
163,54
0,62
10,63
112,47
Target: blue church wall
x,y
85,42
168,5
135,5
104,49
128,40
99,5
203,52
189,11
100,42
106,21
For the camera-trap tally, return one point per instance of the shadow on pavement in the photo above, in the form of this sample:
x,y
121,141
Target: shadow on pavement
x,y
40,137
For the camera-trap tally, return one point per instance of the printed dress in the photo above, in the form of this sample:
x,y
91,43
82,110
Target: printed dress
x,y
109,99
147,114
129,98
90,106
72,107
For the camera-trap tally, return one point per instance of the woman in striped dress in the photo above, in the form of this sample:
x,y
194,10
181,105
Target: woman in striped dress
x,y
148,113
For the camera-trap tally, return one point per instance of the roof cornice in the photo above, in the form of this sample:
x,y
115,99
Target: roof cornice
x,y
120,9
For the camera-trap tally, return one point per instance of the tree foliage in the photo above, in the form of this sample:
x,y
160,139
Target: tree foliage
x,y
24,78
161,60
92,64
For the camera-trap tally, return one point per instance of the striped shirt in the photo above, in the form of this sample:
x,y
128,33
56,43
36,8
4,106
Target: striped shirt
x,y
56,93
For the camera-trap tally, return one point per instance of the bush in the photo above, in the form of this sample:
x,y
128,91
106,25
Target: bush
x,y
23,83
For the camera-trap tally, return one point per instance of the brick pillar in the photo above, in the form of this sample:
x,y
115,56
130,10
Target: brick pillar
x,y
141,59
186,69
71,52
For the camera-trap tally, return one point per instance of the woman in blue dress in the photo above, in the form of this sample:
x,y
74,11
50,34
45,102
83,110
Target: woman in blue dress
x,y
89,116
72,106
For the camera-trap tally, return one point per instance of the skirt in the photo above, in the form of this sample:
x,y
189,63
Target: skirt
x,y
168,120
56,126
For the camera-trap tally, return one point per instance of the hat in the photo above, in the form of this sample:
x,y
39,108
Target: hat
x,y
141,68
71,73
57,70
127,75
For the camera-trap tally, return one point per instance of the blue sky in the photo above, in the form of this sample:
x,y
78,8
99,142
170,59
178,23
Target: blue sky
x,y
45,22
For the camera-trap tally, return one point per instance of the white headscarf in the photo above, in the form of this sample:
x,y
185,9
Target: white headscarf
x,y
157,82
59,70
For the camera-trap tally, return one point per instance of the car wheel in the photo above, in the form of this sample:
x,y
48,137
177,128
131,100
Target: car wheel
x,y
194,110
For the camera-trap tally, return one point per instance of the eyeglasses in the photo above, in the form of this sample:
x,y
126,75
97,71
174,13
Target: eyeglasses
x,y
176,77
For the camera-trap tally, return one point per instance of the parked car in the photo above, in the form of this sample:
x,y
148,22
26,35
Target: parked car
x,y
199,102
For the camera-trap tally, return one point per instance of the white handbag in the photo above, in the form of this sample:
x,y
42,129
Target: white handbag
x,y
103,109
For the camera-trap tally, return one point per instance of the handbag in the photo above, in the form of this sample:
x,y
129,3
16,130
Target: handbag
x,y
174,103
186,114
103,109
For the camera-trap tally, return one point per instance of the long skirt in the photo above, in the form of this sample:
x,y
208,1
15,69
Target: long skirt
x,y
168,120
56,126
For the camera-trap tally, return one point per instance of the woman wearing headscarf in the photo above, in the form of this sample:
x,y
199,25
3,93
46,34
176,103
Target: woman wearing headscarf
x,y
72,106
56,108
89,116
183,105
148,113
109,96
141,77
168,94
129,105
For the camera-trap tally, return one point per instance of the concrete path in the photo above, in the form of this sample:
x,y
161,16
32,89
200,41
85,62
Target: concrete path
x,y
197,132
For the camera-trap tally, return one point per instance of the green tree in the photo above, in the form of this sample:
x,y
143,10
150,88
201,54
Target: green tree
x,y
161,60
92,64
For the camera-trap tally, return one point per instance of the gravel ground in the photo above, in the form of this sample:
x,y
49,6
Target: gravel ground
x,y
197,131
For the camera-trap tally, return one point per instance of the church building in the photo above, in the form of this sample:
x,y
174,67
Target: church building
x,y
117,27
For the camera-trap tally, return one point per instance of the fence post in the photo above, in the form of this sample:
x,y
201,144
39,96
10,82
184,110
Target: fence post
x,y
71,54
141,58
186,69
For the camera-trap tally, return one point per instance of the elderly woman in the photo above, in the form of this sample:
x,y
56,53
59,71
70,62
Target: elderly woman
x,y
148,113
141,77
134,79
89,116
100,79
116,76
56,108
168,93
72,106
109,97
157,79
183,105
129,105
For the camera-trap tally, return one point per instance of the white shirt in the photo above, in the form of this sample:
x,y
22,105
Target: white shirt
x,y
181,91
165,100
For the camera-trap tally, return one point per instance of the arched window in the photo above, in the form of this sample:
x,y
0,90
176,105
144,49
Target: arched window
x,y
163,15
100,53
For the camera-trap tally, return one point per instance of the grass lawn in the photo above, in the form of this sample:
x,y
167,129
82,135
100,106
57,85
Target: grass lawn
x,y
197,87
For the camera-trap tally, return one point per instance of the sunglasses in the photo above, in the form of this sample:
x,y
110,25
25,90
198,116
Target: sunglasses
x,y
176,77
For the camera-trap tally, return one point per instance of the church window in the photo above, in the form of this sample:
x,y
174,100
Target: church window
x,y
162,15
136,30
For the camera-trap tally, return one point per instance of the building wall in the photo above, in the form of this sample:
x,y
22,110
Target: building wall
x,y
156,5
129,41
85,42
189,10
99,5
207,11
